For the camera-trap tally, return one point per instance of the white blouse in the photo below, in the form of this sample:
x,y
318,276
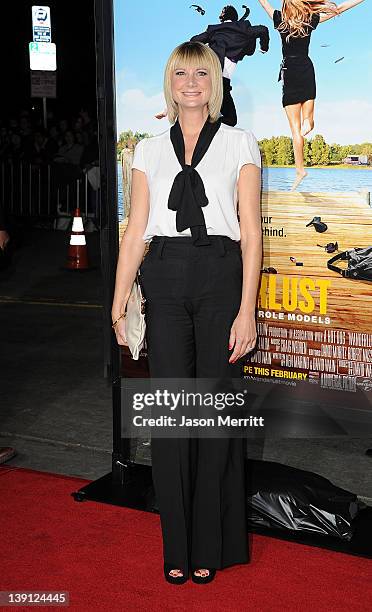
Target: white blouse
x,y
219,169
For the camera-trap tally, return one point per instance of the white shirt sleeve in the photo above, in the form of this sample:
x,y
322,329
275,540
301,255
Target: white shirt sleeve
x,y
249,150
139,157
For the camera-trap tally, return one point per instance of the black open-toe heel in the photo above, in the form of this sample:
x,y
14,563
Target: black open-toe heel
x,y
174,579
203,579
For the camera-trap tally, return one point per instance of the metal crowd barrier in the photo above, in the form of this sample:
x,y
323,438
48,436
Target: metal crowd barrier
x,y
42,191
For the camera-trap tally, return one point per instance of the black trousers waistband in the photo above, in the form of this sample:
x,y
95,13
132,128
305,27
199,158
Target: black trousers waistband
x,y
218,242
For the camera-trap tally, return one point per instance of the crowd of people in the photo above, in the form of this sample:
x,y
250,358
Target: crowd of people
x,y
61,155
66,141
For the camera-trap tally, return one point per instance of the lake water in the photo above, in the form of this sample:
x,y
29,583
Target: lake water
x,y
318,179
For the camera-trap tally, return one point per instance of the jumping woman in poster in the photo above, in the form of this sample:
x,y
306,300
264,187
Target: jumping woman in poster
x,y
200,279
295,24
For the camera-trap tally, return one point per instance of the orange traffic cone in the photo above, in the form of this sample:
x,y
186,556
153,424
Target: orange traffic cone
x,y
77,256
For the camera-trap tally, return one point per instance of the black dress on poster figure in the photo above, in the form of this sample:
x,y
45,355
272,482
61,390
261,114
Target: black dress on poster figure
x,y
296,70
295,23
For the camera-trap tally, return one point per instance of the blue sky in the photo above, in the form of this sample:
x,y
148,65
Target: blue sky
x,y
146,33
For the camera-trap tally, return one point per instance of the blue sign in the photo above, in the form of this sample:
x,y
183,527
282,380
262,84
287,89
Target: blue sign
x,y
41,26
41,34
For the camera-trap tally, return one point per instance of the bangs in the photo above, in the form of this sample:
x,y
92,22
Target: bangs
x,y
191,55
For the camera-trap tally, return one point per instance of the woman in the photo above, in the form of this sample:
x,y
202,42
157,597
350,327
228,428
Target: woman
x,y
295,23
200,279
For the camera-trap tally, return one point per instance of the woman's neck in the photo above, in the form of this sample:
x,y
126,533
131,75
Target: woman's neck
x,y
192,120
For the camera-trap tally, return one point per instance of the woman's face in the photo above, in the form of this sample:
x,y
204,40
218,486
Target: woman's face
x,y
191,86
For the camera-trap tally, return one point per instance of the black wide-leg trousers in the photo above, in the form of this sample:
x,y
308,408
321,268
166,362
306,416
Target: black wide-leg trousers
x,y
193,295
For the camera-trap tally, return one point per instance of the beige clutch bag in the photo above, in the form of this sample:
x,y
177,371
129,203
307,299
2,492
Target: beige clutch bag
x,y
135,325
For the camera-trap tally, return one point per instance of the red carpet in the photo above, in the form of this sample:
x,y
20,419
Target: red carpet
x,y
110,559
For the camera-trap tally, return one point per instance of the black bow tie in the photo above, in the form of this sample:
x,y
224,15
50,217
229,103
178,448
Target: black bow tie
x,y
187,195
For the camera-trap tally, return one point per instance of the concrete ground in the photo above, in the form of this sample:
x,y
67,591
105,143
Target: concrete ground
x,y
56,403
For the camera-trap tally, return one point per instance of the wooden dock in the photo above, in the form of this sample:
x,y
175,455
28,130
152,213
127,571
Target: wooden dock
x,y
349,220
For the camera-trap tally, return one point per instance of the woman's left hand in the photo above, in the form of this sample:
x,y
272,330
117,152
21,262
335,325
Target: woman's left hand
x,y
243,336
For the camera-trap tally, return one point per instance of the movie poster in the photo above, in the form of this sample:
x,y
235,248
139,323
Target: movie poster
x,y
314,305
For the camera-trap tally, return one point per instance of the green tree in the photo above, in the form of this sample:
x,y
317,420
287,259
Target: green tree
x,y
275,145
335,152
307,152
366,148
346,150
284,155
318,146
128,135
326,155
268,150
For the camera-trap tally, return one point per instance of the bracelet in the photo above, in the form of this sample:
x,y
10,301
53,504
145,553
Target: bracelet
x,y
118,319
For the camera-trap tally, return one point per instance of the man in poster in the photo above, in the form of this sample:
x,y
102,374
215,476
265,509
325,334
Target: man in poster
x,y
232,40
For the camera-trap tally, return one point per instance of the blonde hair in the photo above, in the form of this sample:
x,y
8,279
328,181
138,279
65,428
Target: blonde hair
x,y
194,54
297,15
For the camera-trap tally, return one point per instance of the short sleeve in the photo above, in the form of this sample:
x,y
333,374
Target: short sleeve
x,y
277,18
315,18
249,150
139,156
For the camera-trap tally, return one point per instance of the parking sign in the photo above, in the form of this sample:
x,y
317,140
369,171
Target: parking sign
x,y
41,27
42,56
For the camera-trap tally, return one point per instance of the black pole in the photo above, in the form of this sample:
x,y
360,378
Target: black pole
x,y
129,484
107,156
